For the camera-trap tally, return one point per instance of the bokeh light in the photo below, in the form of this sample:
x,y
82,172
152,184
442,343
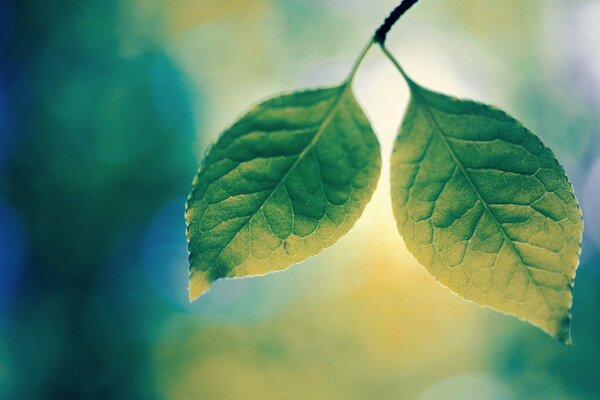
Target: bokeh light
x,y
591,203
469,387
106,107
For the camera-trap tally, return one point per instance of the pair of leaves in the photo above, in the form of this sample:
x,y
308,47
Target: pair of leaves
x,y
481,202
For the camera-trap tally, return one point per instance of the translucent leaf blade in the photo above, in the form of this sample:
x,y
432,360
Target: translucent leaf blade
x,y
287,180
485,206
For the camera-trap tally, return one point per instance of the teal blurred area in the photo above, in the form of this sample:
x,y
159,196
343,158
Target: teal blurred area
x,y
106,107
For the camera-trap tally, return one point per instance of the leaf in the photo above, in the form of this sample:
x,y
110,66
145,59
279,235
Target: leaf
x,y
287,180
485,206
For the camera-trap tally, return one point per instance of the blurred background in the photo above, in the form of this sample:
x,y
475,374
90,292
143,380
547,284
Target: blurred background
x,y
106,107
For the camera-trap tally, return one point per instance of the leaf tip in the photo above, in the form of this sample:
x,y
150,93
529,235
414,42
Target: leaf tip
x,y
198,285
563,333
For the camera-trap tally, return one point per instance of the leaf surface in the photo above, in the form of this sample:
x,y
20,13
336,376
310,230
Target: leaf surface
x,y
287,180
485,206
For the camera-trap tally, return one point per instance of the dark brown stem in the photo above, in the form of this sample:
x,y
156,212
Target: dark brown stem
x,y
382,31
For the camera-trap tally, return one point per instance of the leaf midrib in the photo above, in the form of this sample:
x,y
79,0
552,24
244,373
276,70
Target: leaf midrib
x,y
440,133
325,122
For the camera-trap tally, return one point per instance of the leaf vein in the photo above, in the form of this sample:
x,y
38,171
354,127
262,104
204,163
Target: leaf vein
x,y
440,133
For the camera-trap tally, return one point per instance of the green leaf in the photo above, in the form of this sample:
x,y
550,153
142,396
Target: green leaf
x,y
287,180
485,206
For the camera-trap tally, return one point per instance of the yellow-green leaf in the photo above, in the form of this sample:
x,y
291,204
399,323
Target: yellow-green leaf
x,y
287,180
485,206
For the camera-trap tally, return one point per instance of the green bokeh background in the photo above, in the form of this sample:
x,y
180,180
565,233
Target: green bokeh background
x,y
106,107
